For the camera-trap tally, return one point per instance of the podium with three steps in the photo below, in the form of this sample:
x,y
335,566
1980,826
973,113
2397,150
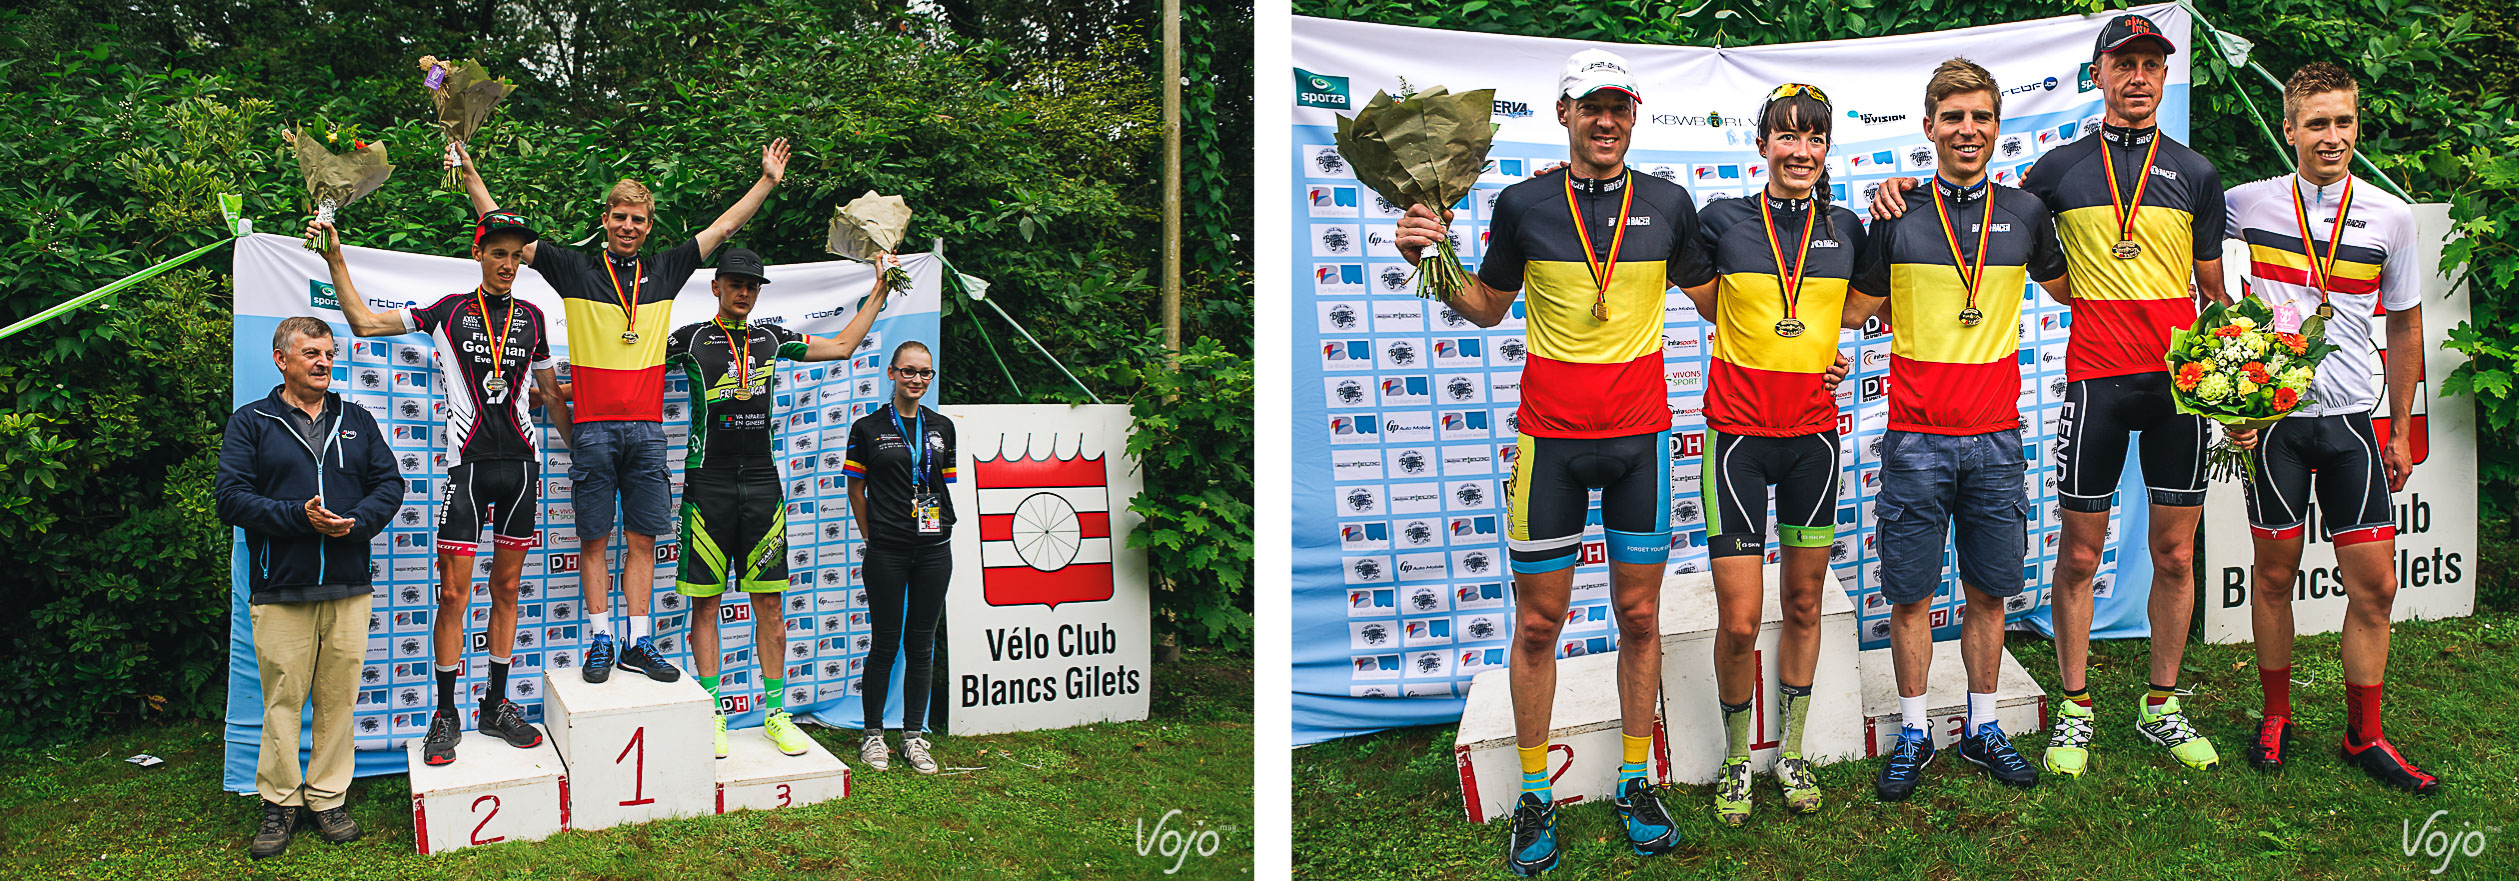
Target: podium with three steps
x,y
627,750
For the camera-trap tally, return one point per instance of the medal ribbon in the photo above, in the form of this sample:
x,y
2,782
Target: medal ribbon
x,y
2321,272
1793,280
743,359
1602,270
498,342
915,435
2126,211
1969,276
629,306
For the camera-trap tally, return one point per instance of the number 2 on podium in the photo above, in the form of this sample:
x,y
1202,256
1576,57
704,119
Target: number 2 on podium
x,y
638,779
485,820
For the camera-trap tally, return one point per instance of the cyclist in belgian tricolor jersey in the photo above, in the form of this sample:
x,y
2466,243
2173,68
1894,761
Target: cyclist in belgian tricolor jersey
x,y
1952,270
2140,217
2326,451
734,507
1598,246
1784,257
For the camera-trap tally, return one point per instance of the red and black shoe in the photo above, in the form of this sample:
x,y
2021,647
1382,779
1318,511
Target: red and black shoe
x,y
2383,763
2273,745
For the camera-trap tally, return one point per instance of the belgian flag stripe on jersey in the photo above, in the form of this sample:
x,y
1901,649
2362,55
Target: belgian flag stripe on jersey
x,y
2124,310
1760,382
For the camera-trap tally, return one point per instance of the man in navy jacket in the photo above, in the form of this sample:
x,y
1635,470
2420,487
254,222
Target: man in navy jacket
x,y
287,462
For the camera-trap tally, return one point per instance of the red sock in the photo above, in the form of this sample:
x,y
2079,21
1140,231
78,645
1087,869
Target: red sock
x,y
2361,714
2277,683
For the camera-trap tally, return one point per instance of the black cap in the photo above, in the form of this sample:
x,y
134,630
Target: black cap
x,y
501,221
2126,29
740,261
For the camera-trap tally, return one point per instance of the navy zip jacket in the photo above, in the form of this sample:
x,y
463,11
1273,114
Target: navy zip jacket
x,y
267,471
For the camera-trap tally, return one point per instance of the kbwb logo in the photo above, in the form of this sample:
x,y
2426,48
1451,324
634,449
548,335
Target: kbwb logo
x,y
1045,527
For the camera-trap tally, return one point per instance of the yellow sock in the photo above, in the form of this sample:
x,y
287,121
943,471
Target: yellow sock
x,y
1535,772
1634,748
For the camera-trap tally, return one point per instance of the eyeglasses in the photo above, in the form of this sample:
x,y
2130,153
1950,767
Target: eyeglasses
x,y
915,372
1791,89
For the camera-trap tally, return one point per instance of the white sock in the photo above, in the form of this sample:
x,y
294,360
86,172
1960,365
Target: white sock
x,y
1980,709
1913,713
638,627
598,624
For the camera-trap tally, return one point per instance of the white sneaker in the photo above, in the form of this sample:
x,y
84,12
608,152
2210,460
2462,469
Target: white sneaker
x,y
915,749
873,753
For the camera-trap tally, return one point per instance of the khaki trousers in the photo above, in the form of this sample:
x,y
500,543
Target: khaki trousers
x,y
308,648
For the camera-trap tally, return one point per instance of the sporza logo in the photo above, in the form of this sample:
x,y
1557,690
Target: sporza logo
x,y
319,295
1315,90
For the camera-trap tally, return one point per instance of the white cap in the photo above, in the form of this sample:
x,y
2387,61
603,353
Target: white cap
x,y
1591,70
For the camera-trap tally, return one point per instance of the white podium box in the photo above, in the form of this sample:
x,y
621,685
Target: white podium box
x,y
639,749
2020,705
1693,706
492,792
1584,749
754,775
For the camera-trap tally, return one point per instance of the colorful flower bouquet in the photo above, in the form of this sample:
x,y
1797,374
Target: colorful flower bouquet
x,y
2245,366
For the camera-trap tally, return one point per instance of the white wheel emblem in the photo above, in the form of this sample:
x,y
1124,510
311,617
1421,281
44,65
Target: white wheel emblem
x,y
1046,533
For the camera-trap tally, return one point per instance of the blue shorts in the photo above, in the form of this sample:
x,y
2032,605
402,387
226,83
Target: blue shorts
x,y
1931,481
625,456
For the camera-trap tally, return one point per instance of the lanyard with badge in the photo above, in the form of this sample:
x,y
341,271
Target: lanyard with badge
x,y
927,507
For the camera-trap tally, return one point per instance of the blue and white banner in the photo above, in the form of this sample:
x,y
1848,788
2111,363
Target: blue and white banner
x,y
1404,409
397,379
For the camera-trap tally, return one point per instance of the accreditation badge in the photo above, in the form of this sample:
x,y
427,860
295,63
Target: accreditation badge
x,y
927,509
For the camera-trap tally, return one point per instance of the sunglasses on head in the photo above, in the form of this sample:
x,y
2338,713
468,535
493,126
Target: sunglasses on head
x,y
1791,89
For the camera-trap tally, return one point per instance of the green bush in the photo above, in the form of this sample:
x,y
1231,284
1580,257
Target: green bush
x,y
1193,439
119,121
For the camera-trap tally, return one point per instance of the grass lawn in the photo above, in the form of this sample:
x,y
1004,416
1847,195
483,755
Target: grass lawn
x,y
1388,805
1050,804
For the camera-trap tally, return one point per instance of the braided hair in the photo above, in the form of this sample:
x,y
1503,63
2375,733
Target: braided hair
x,y
1809,114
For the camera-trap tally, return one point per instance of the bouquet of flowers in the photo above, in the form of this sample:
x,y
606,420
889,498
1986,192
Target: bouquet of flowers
x,y
334,180
464,94
870,226
1423,148
2245,366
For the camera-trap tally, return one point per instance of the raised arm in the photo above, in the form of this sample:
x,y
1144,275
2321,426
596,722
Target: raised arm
x,y
363,321
773,170
460,159
845,343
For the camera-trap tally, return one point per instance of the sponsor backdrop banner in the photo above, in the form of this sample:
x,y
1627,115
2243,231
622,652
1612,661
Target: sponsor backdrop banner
x,y
1051,619
2435,513
397,379
1403,416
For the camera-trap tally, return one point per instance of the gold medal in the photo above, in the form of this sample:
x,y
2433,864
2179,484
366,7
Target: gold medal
x,y
1970,276
1602,270
1788,281
2125,248
1789,328
743,394
2322,272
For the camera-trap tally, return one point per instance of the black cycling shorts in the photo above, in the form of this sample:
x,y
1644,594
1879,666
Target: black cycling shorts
x,y
1738,470
2091,437
499,492
1549,496
2338,455
734,522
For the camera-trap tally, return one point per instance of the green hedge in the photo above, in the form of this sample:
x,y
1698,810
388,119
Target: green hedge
x,y
118,121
